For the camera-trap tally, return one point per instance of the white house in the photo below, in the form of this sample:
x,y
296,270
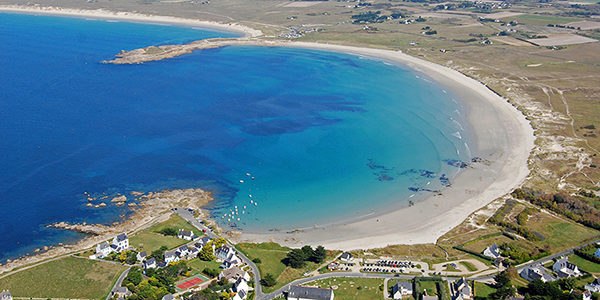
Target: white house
x,y
462,289
121,242
201,242
150,263
183,251
593,287
297,292
536,272
492,251
5,295
240,285
401,289
141,256
224,252
103,249
186,234
171,257
231,261
346,256
167,297
565,269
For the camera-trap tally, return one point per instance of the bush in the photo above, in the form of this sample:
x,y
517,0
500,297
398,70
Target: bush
x,y
169,231
257,260
269,280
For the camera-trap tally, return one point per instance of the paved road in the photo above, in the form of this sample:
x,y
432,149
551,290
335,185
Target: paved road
x,y
187,215
119,282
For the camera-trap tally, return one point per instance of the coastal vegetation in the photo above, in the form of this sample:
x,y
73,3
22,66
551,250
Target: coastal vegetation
x,y
69,277
353,288
155,283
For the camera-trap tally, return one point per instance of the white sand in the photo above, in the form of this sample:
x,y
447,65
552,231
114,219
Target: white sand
x,y
501,130
130,16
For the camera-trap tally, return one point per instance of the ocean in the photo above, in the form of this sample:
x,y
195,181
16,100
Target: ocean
x,y
286,138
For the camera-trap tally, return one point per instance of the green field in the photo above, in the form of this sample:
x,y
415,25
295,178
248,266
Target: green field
x,y
149,241
68,277
174,221
540,20
353,288
482,289
584,264
429,286
469,266
200,264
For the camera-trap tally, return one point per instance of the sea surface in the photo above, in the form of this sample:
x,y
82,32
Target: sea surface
x,y
286,138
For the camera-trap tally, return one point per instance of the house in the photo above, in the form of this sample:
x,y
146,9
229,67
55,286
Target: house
x,y
232,274
183,251
565,269
5,295
203,241
593,287
297,292
167,297
121,242
150,263
186,235
171,257
536,272
492,251
224,252
587,295
141,256
597,253
241,295
103,249
194,251
346,257
462,289
231,261
240,285
120,292
401,289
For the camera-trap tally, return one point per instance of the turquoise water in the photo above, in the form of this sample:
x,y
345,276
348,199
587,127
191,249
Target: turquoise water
x,y
300,137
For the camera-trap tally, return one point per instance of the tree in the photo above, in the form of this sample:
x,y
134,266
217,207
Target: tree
x,y
257,260
169,231
308,252
502,279
297,258
134,276
319,254
206,253
269,280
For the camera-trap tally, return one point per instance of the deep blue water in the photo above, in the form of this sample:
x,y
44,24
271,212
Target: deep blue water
x,y
324,136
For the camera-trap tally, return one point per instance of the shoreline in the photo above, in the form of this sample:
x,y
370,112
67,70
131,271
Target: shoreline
x,y
130,16
500,130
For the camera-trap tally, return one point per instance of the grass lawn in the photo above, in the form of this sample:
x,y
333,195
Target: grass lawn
x,y
469,266
149,241
68,277
482,289
429,286
353,288
174,221
540,20
200,264
584,264
560,235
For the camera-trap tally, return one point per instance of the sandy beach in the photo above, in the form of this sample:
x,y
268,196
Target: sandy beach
x,y
502,133
501,130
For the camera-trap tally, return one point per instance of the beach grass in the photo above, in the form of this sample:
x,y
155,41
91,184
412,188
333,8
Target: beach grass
x,y
69,277
174,221
149,241
353,288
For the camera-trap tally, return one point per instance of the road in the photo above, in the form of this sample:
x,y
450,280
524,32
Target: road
x,y
119,282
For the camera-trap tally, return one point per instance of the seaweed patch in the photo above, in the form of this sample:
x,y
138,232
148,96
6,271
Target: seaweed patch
x,y
456,163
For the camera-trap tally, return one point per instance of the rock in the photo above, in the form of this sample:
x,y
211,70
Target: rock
x,y
136,194
121,198
45,248
102,204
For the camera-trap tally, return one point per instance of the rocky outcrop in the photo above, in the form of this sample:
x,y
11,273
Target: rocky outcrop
x,y
154,53
93,229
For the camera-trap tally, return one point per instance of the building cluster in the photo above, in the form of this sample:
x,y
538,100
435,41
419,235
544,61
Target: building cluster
x,y
295,33
185,252
562,267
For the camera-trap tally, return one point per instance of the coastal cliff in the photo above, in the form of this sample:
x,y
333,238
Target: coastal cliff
x,y
153,53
